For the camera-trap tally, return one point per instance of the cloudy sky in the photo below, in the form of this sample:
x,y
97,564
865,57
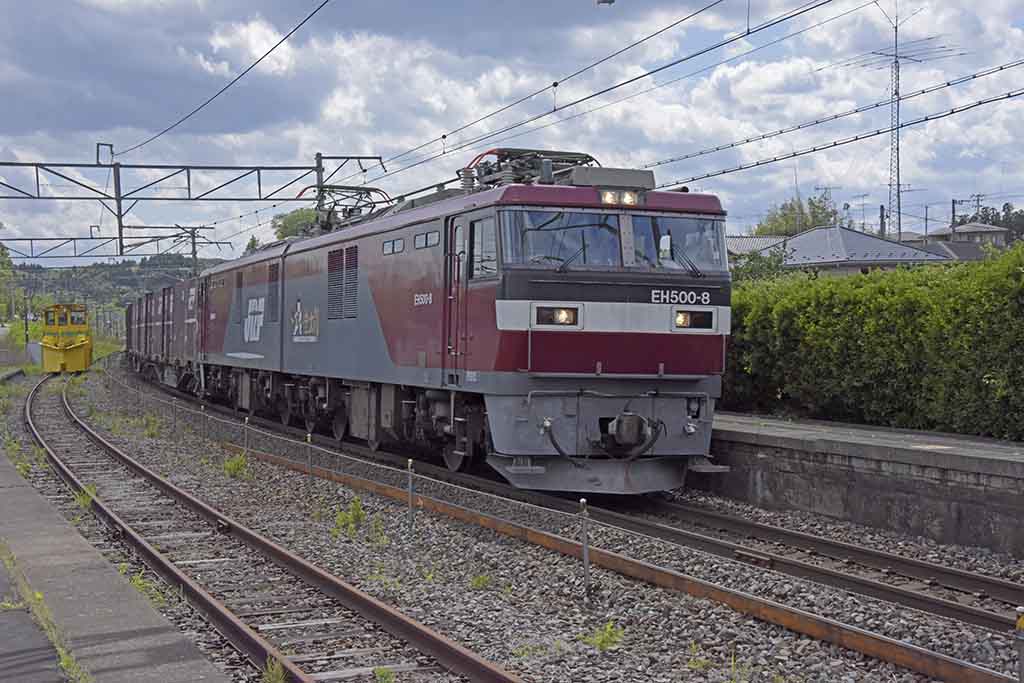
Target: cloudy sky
x,y
387,76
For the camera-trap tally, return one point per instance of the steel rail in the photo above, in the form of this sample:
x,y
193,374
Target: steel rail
x,y
925,571
957,579
822,628
447,652
874,645
257,649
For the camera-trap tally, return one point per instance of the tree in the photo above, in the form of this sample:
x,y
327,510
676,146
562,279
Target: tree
x,y
795,216
759,265
252,245
293,223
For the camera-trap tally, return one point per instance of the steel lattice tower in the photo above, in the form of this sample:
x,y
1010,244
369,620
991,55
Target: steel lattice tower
x,y
895,203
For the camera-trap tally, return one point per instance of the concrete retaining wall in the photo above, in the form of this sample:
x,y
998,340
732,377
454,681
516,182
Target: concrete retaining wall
x,y
948,497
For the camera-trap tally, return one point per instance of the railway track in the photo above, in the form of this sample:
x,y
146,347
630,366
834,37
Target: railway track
x,y
918,659
944,591
273,606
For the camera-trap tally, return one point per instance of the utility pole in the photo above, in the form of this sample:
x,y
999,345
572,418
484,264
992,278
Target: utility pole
x,y
977,204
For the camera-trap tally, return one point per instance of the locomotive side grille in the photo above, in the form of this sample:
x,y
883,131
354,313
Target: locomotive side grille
x,y
350,303
335,283
272,292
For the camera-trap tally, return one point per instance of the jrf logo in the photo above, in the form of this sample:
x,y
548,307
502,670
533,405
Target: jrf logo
x,y
254,320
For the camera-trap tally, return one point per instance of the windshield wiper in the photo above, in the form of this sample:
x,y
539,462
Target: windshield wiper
x,y
678,252
564,266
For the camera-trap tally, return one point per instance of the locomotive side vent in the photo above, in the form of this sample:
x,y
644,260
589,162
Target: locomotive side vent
x,y
350,303
335,283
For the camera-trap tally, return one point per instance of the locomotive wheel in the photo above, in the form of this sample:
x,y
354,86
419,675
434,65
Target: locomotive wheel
x,y
454,461
284,411
339,425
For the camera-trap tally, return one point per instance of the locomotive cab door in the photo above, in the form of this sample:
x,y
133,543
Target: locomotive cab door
x,y
454,353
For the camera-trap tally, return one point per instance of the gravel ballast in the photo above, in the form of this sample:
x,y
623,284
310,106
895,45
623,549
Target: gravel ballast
x,y
535,616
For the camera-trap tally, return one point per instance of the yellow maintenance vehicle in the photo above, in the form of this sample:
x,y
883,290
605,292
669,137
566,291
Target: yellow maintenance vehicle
x,y
67,339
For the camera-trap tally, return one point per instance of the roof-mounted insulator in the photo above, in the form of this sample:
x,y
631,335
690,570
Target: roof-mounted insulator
x,y
468,177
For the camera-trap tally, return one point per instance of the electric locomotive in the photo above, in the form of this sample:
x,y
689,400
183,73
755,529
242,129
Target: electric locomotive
x,y
561,321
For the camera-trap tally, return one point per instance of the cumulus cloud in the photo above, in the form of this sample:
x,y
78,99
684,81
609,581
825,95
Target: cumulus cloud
x,y
359,82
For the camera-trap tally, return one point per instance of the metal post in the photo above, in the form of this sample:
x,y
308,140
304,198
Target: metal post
x,y
202,419
174,425
309,456
1020,644
245,436
585,534
412,506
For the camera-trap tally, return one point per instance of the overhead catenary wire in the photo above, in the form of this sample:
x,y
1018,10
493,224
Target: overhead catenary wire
x,y
554,84
835,117
771,23
691,74
230,83
846,141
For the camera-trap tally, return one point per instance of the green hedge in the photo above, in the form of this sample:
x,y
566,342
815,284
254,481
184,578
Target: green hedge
x,y
938,347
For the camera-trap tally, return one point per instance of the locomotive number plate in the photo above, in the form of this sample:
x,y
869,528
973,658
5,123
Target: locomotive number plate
x,y
680,296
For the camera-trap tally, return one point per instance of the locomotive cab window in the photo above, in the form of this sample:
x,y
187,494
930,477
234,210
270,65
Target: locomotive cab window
x,y
561,239
51,318
483,249
77,317
679,243
62,318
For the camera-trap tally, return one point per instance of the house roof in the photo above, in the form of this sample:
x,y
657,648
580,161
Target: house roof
x,y
843,246
909,236
740,245
961,251
971,228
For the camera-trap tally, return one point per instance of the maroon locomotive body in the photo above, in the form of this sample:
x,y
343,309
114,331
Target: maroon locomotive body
x,y
563,322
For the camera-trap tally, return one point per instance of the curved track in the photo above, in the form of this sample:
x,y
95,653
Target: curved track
x,y
269,603
936,589
912,657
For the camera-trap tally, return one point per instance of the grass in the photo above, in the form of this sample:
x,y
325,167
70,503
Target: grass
x,y
480,582
237,467
85,497
383,675
273,672
377,535
151,427
140,583
349,520
529,650
605,637
6,605
696,662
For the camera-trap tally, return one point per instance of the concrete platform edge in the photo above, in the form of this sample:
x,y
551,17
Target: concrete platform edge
x,y
42,616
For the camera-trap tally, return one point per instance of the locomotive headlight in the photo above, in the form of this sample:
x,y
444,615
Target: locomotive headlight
x,y
629,198
557,316
609,197
694,320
